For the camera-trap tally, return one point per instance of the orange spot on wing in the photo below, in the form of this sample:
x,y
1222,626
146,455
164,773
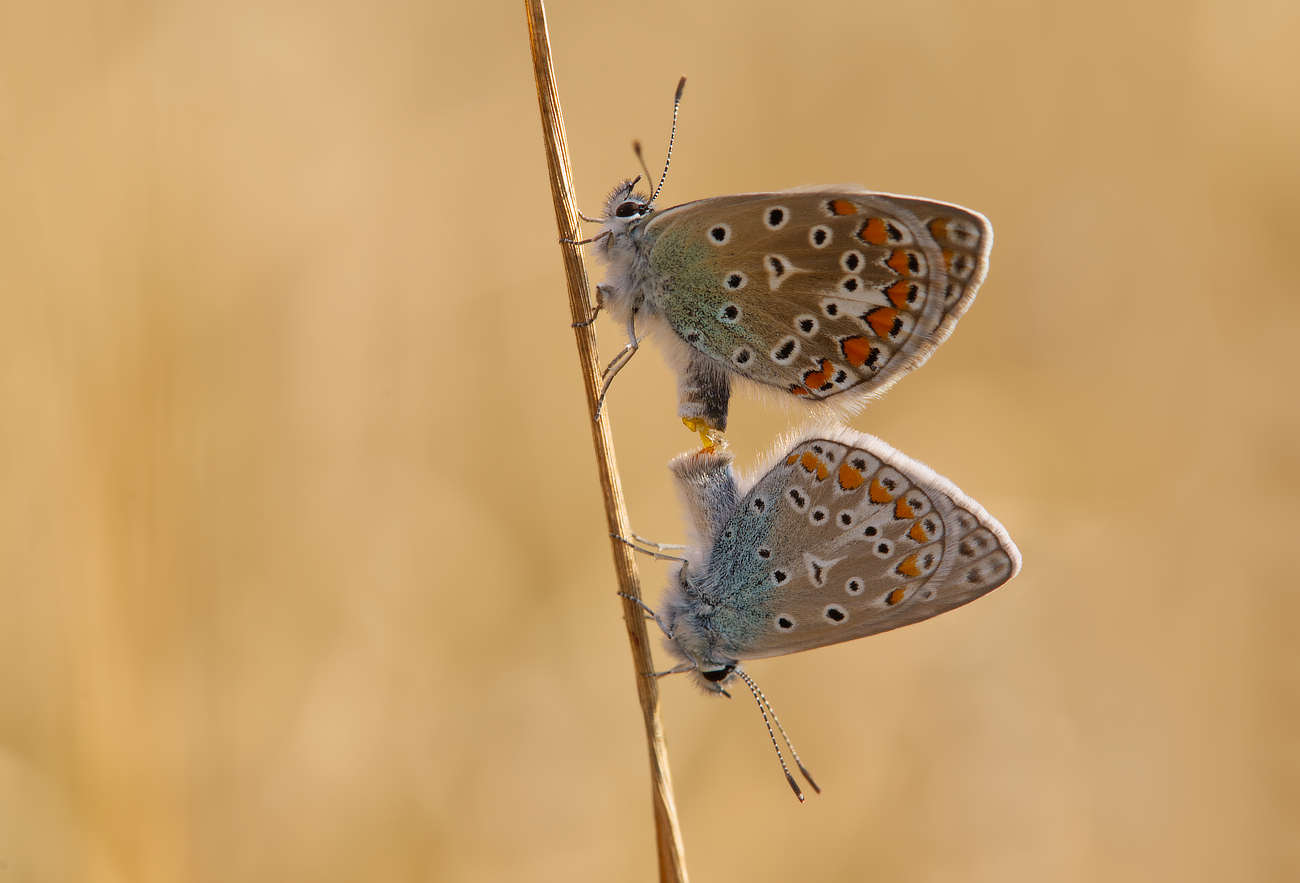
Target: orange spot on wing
x,y
947,259
939,227
850,478
813,463
903,509
797,390
900,293
843,207
918,533
895,596
857,350
874,232
878,494
819,378
907,568
900,262
792,459
882,321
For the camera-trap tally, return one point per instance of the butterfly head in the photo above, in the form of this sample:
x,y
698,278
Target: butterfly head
x,y
710,675
686,620
626,207
714,680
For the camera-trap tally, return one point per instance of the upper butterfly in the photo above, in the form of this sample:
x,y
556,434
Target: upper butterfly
x,y
823,294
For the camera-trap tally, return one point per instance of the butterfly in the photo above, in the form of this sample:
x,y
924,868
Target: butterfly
x,y
824,295
839,537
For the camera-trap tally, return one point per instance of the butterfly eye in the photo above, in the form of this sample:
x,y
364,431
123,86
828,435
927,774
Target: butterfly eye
x,y
718,675
627,209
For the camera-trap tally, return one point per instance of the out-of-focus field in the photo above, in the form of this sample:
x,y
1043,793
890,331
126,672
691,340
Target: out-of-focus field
x,y
303,572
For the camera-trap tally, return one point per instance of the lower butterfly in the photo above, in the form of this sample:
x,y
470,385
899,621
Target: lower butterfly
x,y
839,537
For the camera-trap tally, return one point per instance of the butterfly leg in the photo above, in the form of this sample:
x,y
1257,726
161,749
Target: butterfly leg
x,y
595,238
658,556
620,360
660,546
682,668
625,355
600,302
650,614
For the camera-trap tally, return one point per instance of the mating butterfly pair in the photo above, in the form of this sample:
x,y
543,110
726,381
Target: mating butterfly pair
x,y
826,296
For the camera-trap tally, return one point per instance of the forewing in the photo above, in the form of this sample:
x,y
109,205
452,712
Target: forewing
x,y
819,292
865,540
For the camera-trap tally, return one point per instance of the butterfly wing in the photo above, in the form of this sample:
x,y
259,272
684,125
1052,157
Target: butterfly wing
x,y
859,539
824,294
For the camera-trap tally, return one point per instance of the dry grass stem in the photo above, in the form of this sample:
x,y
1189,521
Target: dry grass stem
x,y
672,865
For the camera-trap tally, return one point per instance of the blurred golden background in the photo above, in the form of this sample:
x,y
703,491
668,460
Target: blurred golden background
x,y
304,575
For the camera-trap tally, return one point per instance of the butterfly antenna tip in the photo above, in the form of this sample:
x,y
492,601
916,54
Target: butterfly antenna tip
x,y
677,101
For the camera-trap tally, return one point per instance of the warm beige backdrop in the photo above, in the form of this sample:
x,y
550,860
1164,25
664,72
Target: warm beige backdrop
x,y
302,570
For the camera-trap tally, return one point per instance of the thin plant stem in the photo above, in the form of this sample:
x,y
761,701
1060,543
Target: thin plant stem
x,y
672,863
